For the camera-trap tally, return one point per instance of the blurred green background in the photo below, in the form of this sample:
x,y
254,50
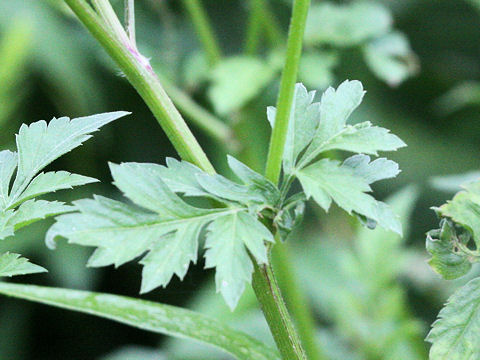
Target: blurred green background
x,y
372,293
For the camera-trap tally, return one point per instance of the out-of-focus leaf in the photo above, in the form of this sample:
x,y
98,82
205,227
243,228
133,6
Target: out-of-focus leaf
x,y
146,315
390,58
346,24
459,97
316,68
454,336
453,183
135,353
13,264
236,81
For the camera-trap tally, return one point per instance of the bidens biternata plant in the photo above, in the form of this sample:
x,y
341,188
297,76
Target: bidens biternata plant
x,y
163,225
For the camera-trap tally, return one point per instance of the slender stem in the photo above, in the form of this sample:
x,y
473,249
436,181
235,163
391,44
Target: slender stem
x,y
147,84
287,89
261,16
268,294
204,30
130,21
253,28
106,12
141,76
296,301
273,31
205,120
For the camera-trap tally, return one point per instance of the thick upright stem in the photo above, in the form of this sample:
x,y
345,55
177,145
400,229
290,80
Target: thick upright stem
x,y
204,30
287,89
140,74
268,294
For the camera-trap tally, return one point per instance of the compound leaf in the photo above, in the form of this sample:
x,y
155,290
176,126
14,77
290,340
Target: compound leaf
x,y
454,336
13,264
8,164
169,232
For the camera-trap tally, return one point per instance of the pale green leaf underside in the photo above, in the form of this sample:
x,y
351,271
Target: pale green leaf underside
x,y
333,133
39,144
328,180
150,316
169,233
13,264
455,334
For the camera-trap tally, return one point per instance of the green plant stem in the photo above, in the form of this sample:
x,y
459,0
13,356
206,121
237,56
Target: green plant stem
x,y
204,30
273,30
147,84
296,300
205,120
253,28
287,89
141,76
130,20
268,294
261,17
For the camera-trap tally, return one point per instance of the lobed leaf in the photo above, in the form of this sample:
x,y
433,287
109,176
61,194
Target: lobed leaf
x,y
13,264
40,143
454,335
328,180
170,230
147,315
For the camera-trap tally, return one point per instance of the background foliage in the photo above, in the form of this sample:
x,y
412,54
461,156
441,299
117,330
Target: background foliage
x,y
368,304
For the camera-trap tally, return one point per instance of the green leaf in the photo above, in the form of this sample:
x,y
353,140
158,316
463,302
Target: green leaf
x,y
169,231
150,316
454,336
39,144
390,58
447,258
13,264
236,81
8,164
316,68
378,169
50,182
335,108
257,184
346,25
464,210
304,120
328,180
227,240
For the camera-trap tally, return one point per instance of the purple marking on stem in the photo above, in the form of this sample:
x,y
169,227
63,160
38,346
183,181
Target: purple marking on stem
x,y
145,62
